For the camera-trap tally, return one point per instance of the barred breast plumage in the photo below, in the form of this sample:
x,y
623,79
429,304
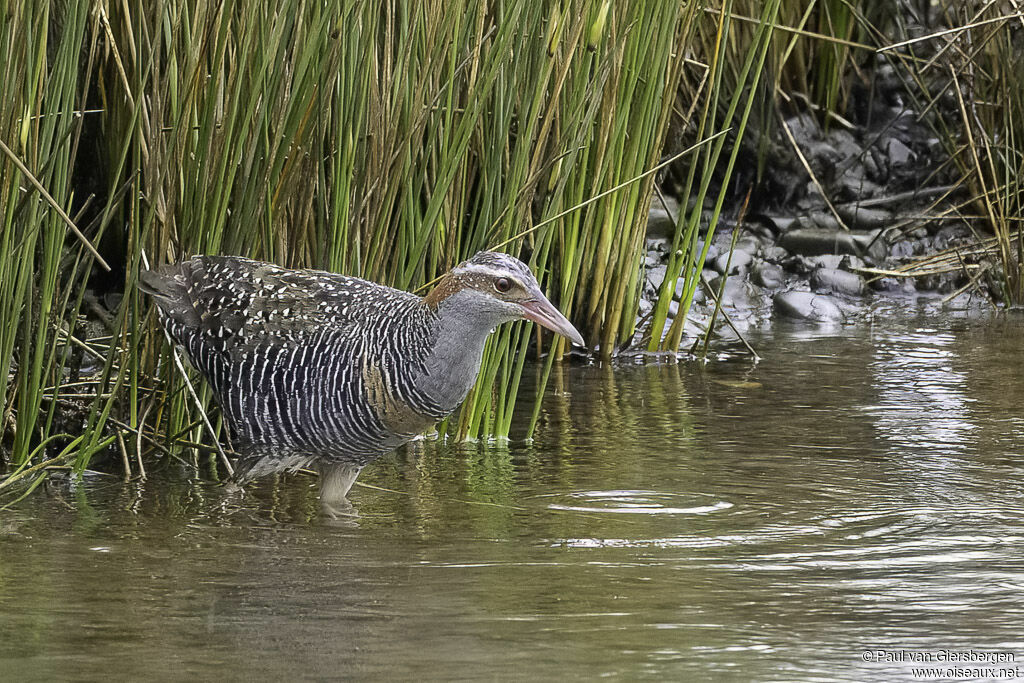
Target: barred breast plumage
x,y
311,367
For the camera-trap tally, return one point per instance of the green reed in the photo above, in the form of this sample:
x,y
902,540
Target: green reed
x,y
44,260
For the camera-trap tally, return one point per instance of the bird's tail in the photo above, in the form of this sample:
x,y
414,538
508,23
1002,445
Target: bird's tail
x,y
259,461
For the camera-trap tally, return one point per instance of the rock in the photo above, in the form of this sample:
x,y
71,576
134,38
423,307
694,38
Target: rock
x,y
694,329
680,288
822,156
739,263
823,220
854,185
656,275
713,252
893,285
901,250
750,243
939,282
948,236
705,221
837,281
782,223
860,218
774,254
899,154
698,292
661,218
852,263
804,128
661,245
814,241
738,295
872,167
844,143
919,233
699,297
871,244
824,261
807,306
767,275
758,230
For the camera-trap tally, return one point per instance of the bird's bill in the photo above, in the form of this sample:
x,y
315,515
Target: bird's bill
x,y
540,311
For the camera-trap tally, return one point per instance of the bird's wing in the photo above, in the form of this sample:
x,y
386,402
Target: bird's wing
x,y
278,346
236,304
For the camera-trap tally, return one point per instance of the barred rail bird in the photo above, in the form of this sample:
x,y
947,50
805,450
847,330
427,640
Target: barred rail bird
x,y
315,368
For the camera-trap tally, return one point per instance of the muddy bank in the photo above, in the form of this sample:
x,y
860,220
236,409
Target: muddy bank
x,y
859,208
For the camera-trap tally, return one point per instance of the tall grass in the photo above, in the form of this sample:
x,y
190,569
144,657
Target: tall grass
x,y
722,91
986,73
43,266
965,66
392,144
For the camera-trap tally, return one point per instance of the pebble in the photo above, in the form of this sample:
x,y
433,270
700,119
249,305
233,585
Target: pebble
x,y
660,245
854,185
860,218
837,281
739,263
823,261
739,295
782,223
899,154
894,285
767,275
824,220
774,254
656,275
901,250
807,306
661,217
815,241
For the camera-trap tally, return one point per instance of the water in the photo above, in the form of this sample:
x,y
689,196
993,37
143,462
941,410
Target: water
x,y
860,489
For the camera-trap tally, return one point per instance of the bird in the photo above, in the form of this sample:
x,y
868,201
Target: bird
x,y
316,369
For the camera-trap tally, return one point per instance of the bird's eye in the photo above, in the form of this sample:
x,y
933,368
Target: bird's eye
x,y
503,284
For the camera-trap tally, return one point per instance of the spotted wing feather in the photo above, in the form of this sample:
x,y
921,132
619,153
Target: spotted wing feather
x,y
286,353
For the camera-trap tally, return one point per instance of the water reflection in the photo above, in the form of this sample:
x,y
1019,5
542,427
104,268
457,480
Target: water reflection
x,y
921,395
855,490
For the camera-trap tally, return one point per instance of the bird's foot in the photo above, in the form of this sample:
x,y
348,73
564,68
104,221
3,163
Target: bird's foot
x,y
339,510
335,482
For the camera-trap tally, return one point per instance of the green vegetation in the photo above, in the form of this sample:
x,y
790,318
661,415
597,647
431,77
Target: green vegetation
x,y
391,143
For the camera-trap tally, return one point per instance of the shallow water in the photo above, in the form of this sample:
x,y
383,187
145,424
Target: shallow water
x,y
859,489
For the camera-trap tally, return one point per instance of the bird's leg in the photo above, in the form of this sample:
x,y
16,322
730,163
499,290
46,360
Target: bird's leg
x,y
335,482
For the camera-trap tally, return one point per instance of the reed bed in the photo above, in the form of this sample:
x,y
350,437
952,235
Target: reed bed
x,y
969,68
388,141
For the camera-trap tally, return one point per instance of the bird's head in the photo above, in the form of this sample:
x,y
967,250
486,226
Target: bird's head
x,y
499,288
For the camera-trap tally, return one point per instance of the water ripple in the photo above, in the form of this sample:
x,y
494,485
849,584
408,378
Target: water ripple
x,y
638,503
